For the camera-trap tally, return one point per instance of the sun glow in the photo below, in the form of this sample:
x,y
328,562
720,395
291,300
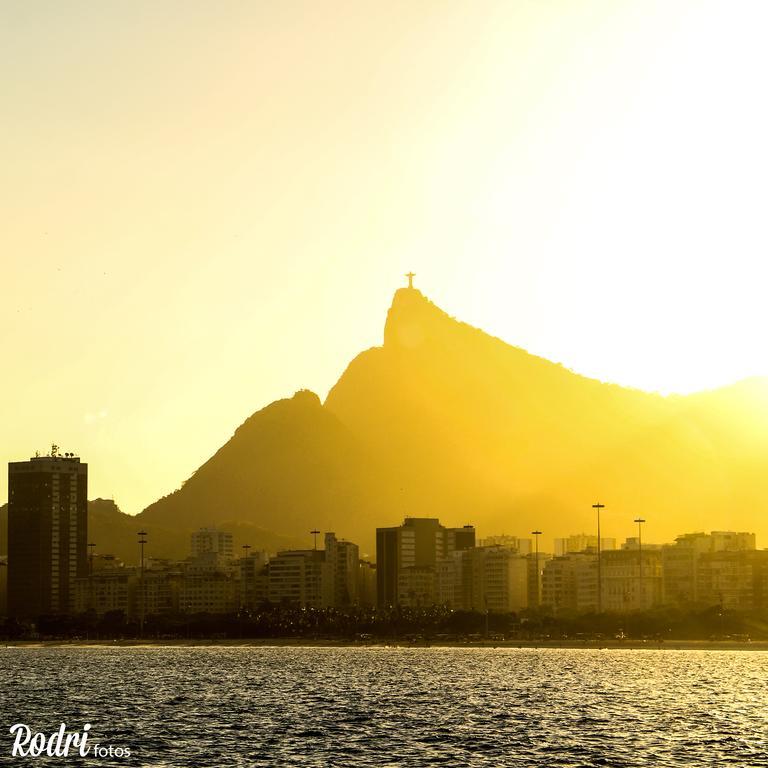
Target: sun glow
x,y
219,212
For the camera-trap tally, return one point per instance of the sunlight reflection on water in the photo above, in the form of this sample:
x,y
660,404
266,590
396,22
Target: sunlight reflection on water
x,y
395,706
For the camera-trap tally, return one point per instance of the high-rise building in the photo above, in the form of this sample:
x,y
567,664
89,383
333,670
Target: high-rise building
x,y
734,579
493,579
569,583
294,577
681,563
407,558
631,579
536,563
366,583
316,578
212,540
3,586
254,574
341,572
47,533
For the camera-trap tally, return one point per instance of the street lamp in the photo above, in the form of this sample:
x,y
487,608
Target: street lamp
x,y
315,533
142,541
246,547
598,507
640,521
536,535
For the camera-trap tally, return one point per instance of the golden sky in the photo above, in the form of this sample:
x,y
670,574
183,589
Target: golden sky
x,y
206,206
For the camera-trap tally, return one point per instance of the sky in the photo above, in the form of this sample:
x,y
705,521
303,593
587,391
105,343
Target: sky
x,y
207,206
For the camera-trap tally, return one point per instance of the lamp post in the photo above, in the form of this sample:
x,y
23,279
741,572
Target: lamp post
x,y
246,547
142,541
536,535
598,507
314,533
640,521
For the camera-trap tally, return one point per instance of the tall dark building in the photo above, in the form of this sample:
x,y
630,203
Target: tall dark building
x,y
47,533
411,551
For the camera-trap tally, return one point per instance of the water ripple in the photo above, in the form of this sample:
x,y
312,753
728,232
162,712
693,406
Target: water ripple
x,y
553,708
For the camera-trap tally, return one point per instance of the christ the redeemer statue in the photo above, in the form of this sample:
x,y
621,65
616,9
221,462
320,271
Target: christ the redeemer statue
x,y
410,276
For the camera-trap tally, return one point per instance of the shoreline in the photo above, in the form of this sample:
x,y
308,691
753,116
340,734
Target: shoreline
x,y
667,645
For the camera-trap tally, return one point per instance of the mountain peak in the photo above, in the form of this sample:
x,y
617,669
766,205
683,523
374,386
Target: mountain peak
x,y
412,319
306,397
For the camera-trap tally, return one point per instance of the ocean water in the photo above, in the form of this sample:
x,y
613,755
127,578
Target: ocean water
x,y
264,706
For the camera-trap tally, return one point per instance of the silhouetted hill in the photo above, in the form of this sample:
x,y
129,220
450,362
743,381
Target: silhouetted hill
x,y
475,429
446,420
291,467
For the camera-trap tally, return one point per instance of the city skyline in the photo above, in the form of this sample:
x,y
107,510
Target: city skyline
x,y
51,566
418,564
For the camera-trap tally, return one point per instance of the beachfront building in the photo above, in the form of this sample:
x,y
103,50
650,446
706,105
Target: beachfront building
x,y
407,558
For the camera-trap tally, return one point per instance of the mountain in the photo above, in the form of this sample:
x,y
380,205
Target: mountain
x,y
289,468
445,420
475,429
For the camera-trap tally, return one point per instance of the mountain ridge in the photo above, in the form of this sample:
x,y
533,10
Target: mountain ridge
x,y
445,420
455,423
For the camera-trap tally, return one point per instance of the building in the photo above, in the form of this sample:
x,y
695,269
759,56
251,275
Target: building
x,y
680,568
732,541
294,578
3,586
47,533
523,546
535,573
494,579
569,583
407,556
633,542
110,587
208,592
733,579
212,540
449,588
681,571
159,590
416,586
366,583
318,578
340,573
582,542
631,579
253,574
